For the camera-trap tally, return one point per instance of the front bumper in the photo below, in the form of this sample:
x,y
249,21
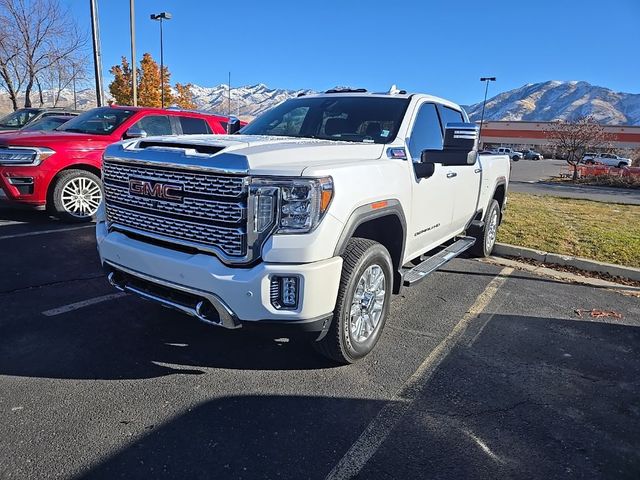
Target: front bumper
x,y
202,286
23,185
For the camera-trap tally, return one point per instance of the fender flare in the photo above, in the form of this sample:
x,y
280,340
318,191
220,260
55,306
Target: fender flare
x,y
371,211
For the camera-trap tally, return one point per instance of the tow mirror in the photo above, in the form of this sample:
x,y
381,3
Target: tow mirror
x,y
424,170
135,132
459,148
233,125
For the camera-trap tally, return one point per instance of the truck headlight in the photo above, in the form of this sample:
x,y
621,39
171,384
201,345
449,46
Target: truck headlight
x,y
301,203
30,156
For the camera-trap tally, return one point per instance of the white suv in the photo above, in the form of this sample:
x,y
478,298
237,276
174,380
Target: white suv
x,y
307,220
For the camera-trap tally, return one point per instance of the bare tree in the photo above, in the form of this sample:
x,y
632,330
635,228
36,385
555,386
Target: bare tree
x,y
60,76
41,35
577,137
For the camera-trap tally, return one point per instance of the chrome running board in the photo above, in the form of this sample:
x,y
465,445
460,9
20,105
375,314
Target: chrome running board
x,y
431,264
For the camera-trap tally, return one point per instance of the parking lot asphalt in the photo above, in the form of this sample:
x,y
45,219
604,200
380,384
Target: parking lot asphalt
x,y
481,372
531,176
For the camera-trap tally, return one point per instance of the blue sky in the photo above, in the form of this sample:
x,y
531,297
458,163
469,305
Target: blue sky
x,y
432,46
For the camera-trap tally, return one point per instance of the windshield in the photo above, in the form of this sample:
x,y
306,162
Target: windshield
x,y
19,118
99,121
47,123
355,119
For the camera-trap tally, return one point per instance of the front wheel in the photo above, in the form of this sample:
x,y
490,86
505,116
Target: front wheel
x,y
486,238
75,196
622,165
363,302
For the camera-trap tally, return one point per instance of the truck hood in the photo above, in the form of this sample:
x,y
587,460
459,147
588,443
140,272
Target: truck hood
x,y
263,155
53,139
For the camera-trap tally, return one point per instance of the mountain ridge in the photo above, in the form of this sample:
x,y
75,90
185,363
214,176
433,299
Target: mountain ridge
x,y
543,101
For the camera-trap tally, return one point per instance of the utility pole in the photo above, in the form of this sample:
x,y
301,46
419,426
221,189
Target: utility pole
x,y
484,103
97,56
229,96
160,17
134,72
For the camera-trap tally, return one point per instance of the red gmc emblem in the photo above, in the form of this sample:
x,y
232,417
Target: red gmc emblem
x,y
158,190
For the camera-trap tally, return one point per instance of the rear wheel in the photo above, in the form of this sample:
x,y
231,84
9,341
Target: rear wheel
x,y
363,302
622,165
486,238
75,196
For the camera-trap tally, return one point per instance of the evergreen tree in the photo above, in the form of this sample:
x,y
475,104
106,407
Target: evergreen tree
x,y
184,96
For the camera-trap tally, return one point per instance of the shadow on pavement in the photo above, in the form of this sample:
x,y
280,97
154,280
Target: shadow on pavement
x,y
135,341
525,397
291,437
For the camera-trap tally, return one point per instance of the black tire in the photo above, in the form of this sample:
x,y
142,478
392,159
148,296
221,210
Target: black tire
x,y
55,204
622,165
483,246
339,344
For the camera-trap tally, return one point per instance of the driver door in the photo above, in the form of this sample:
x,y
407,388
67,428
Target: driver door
x,y
432,199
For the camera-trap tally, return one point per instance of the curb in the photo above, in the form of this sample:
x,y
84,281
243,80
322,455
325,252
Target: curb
x,y
503,249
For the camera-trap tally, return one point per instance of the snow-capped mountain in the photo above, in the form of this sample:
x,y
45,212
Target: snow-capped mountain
x,y
555,100
248,101
536,102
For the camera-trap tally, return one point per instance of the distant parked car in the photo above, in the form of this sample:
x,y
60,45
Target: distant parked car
x,y
532,155
47,123
609,159
24,116
513,154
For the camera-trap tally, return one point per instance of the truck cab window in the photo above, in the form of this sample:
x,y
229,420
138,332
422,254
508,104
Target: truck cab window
x,y
426,132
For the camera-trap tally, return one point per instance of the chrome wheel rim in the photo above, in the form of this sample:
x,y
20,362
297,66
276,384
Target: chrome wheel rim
x,y
492,230
81,197
367,304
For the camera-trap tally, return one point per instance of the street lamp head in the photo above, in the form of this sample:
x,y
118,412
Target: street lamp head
x,y
487,79
161,16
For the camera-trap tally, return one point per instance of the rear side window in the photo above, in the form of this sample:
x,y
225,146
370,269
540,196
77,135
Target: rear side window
x,y
194,126
426,132
449,115
155,125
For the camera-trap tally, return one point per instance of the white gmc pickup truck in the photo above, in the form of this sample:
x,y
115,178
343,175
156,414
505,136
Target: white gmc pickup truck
x,y
307,220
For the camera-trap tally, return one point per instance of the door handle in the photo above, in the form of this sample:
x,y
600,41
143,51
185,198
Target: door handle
x,y
451,174
477,170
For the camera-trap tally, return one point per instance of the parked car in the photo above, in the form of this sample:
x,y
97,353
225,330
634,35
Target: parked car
x,y
61,169
47,123
610,159
513,154
24,116
304,221
532,155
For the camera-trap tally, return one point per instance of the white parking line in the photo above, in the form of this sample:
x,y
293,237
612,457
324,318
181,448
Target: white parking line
x,y
377,431
4,223
84,303
42,232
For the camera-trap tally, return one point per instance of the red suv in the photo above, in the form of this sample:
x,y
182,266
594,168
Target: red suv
x,y
60,169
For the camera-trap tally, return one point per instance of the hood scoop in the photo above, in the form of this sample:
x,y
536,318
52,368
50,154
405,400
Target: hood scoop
x,y
203,149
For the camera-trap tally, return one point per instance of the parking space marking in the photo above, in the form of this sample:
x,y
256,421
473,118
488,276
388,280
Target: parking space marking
x,y
84,303
378,430
42,232
4,223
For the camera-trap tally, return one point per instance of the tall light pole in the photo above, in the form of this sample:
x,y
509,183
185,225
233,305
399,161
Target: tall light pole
x,y
484,103
160,17
97,56
134,73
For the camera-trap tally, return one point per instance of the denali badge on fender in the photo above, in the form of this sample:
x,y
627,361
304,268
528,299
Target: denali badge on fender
x,y
159,190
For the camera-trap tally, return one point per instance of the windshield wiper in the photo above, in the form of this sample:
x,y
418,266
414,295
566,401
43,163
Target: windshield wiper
x,y
73,130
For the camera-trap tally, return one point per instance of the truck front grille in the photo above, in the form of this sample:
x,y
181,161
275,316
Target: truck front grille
x,y
209,214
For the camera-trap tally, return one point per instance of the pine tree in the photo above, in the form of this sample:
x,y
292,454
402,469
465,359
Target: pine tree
x,y
184,96
149,86
166,86
121,86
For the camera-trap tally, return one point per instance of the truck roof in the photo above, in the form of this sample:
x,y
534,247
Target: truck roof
x,y
401,94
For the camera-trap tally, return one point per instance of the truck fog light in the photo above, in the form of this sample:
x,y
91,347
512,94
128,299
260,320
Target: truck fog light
x,y
284,292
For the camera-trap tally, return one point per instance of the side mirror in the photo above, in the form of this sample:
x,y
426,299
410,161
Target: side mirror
x,y
135,132
233,125
424,170
459,148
